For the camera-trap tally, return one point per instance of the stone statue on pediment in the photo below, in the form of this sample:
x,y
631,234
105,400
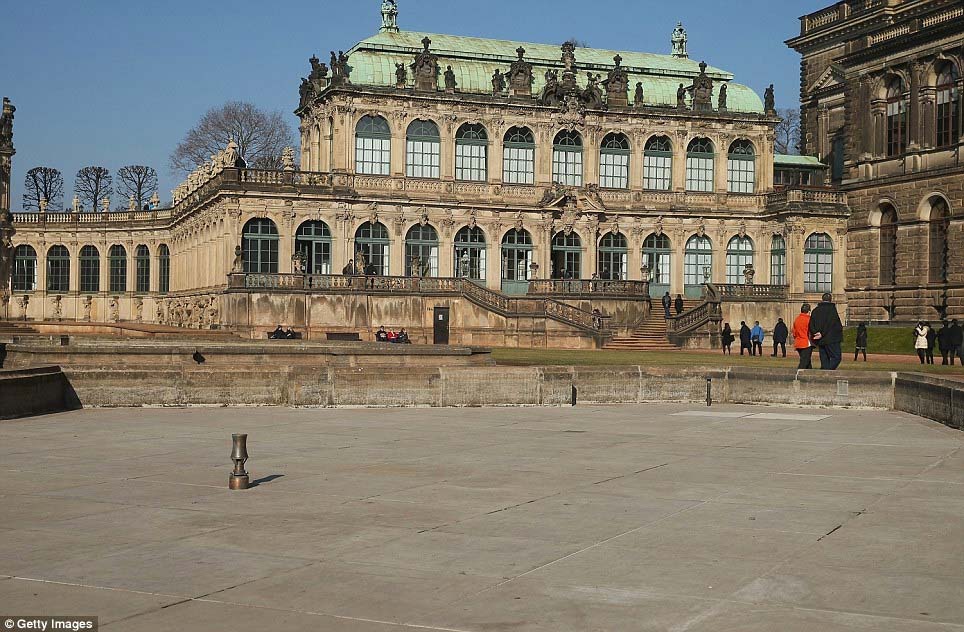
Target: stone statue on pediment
x,y
498,82
426,69
702,90
617,85
520,75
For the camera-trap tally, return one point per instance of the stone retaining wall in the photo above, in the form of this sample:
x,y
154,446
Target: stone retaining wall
x,y
37,391
936,398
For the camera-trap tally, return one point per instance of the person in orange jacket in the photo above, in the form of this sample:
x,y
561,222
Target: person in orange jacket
x,y
801,338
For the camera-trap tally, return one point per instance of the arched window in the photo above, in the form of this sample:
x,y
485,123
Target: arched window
x,y
313,241
566,256
519,156
117,269
24,269
888,245
259,244
658,164
778,261
163,269
142,269
567,158
470,253
697,263
614,162
372,247
89,269
613,257
699,165
948,107
657,256
421,251
58,269
422,150
741,168
471,153
739,254
938,247
516,258
373,146
896,118
818,263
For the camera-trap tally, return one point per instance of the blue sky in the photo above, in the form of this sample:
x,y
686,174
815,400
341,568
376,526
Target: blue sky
x,y
111,83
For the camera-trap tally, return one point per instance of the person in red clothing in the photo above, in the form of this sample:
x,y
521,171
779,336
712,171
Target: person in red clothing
x,y
801,338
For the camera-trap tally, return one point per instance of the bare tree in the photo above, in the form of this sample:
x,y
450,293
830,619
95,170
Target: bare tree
x,y
93,185
788,131
261,136
136,180
43,183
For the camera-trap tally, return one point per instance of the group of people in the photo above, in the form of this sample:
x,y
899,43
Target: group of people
x,y
669,303
280,333
751,339
949,340
400,337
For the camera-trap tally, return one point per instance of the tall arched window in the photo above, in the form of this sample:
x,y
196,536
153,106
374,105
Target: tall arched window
x,y
567,158
818,263
313,241
778,261
613,257
372,246
470,253
89,269
142,269
938,247
699,165
373,146
259,245
421,251
888,245
117,268
741,168
614,162
516,259
948,107
519,156
739,254
423,148
566,256
24,269
58,269
163,269
697,263
471,153
896,118
657,256
658,164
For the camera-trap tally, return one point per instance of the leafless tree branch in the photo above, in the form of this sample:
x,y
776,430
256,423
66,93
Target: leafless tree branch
x,y
788,131
43,183
136,180
93,185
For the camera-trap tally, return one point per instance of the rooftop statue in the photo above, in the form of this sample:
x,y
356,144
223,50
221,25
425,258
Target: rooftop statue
x,y
702,90
520,75
450,82
638,97
389,16
721,98
425,68
498,82
401,75
678,42
617,84
769,101
6,123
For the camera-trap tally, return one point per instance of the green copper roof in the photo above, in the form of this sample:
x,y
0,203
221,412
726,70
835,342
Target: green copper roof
x,y
812,162
474,60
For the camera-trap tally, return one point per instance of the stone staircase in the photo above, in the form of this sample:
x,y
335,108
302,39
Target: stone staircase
x,y
8,329
651,334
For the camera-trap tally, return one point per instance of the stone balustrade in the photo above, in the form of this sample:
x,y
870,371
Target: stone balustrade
x,y
757,293
589,288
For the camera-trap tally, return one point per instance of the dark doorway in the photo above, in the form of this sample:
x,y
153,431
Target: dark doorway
x,y
441,321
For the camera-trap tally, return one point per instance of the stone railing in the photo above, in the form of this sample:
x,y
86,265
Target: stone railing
x,y
759,293
590,287
110,217
706,313
815,196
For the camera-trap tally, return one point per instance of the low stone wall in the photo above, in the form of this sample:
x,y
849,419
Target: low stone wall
x,y
37,391
937,398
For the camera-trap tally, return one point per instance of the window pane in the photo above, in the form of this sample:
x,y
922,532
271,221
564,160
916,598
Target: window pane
x,y
518,165
740,175
470,162
657,172
699,173
567,167
613,170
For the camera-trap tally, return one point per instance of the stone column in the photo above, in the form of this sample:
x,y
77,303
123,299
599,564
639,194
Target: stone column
x,y
795,261
495,156
399,145
447,153
590,157
914,108
879,109
679,162
543,162
676,277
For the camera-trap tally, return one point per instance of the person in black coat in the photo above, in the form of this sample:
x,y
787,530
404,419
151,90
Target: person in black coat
x,y
745,343
861,344
666,301
679,304
944,342
728,338
957,339
780,335
931,343
826,331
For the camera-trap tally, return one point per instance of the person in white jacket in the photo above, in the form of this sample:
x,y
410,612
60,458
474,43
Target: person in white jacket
x,y
920,341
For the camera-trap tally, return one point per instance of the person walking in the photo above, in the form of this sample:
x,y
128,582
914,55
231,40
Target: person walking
x,y
727,337
944,342
931,342
826,331
957,339
745,338
667,304
780,335
756,339
801,338
679,304
920,341
861,344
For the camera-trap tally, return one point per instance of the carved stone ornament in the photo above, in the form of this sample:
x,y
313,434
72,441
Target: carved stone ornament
x,y
659,226
520,75
742,232
425,69
56,307
373,213
617,85
423,216
473,218
701,228
614,226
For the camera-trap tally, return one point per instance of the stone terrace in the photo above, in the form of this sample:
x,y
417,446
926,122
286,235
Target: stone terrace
x,y
617,518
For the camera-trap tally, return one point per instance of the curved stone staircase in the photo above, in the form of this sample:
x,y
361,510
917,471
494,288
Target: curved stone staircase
x,y
651,334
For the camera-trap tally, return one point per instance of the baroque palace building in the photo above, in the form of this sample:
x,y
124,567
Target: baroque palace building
x,y
469,175
881,87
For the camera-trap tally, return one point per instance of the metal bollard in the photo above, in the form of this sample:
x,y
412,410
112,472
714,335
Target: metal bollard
x,y
239,454
709,391
574,394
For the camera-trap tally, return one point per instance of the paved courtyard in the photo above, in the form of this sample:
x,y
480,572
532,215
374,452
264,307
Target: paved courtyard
x,y
621,518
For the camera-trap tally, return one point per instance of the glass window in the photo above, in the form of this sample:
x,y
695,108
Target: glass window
x,y
89,269
373,146
739,254
313,242
471,153
519,156
372,247
567,159
896,118
697,260
24,269
516,255
818,263
58,269
423,150
613,257
658,164
778,261
699,165
741,168
938,246
614,162
163,269
657,253
421,251
470,253
888,246
117,268
948,107
142,269
566,256
259,245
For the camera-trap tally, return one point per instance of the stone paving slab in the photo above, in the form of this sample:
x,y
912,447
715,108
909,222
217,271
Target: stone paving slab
x,y
602,518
